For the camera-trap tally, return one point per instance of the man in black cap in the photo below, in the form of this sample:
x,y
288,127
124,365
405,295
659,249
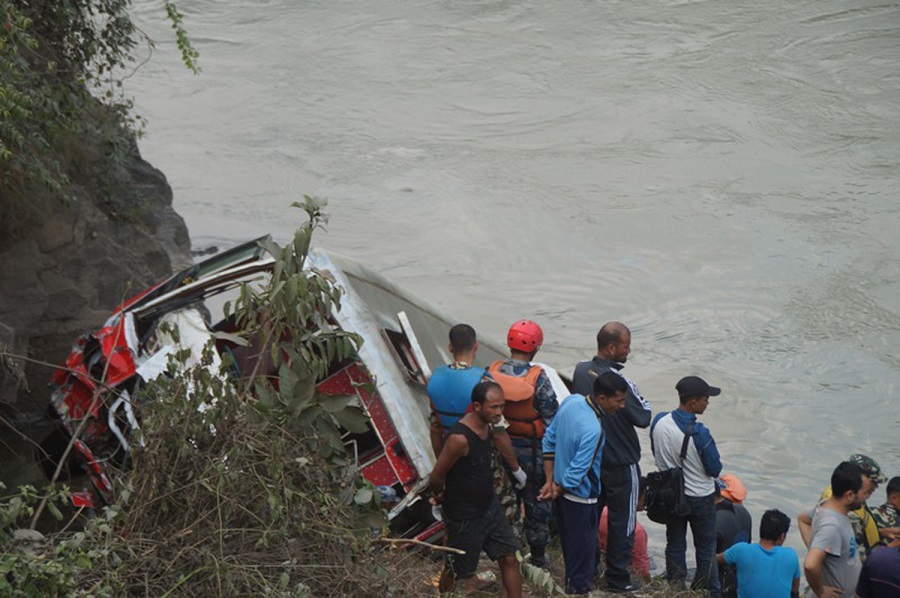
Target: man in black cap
x,y
701,466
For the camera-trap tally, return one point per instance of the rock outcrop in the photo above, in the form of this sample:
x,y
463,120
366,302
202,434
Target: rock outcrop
x,y
62,277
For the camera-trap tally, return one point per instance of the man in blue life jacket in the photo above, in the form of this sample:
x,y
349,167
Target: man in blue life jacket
x,y
620,471
701,466
530,406
450,391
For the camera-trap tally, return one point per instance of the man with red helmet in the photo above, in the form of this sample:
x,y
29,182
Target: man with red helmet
x,y
531,404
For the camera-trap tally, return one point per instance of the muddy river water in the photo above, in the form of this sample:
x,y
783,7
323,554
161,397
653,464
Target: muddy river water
x,y
721,176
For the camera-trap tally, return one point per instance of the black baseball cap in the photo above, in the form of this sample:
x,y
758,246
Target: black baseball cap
x,y
695,386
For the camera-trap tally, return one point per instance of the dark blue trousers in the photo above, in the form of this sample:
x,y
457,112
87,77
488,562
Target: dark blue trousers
x,y
537,513
702,520
619,493
577,525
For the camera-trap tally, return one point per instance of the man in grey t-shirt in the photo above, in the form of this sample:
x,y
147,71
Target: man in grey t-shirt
x,y
832,565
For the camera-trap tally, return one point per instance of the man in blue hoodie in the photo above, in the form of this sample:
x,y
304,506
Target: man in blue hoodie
x,y
701,467
573,450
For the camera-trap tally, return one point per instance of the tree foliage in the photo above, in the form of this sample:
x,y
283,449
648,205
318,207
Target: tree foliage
x,y
60,86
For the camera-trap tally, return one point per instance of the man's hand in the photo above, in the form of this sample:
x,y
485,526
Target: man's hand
x,y
546,492
520,477
550,491
812,565
890,533
437,511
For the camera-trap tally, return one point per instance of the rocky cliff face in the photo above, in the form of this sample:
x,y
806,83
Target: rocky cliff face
x,y
64,276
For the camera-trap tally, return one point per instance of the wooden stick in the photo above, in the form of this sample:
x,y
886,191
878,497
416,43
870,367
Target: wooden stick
x,y
419,543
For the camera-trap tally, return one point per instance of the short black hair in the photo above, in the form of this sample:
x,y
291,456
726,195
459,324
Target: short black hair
x,y
847,477
480,392
773,524
462,338
893,486
609,383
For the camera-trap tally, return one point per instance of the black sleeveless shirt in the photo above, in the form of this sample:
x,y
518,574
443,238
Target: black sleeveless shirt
x,y
470,482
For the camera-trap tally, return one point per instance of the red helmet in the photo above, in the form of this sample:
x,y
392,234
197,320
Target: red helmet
x,y
525,336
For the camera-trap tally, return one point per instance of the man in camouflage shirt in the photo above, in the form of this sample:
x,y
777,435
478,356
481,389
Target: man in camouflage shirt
x,y
887,516
531,404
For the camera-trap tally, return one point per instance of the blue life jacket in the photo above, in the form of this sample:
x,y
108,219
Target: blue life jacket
x,y
450,392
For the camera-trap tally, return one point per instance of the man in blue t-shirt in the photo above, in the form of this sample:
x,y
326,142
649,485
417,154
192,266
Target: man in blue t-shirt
x,y
767,568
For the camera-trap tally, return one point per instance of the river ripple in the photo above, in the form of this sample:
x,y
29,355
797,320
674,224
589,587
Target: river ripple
x,y
721,176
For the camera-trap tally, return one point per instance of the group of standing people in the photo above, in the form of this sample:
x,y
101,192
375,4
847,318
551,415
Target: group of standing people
x,y
462,397
574,462
572,458
853,550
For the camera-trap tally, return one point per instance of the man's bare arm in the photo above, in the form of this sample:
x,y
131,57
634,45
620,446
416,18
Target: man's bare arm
x,y
551,489
812,566
437,437
503,443
889,533
804,524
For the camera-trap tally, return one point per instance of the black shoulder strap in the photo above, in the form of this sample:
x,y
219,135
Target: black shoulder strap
x,y
687,438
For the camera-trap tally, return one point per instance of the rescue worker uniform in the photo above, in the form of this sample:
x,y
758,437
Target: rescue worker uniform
x,y
450,390
526,434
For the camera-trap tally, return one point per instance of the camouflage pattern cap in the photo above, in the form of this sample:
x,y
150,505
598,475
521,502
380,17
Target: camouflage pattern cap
x,y
870,467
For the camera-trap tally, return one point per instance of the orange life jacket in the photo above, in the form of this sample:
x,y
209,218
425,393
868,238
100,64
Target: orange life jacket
x,y
519,410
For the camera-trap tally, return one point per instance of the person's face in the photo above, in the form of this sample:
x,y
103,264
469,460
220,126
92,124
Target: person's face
x,y
611,404
894,499
492,409
620,349
699,404
856,500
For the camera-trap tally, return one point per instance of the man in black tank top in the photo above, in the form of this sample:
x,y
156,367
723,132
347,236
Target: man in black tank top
x,y
462,482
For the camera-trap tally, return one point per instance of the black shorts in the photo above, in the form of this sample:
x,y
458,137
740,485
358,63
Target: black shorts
x,y
490,532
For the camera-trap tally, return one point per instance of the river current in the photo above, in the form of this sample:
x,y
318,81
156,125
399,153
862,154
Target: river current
x,y
721,176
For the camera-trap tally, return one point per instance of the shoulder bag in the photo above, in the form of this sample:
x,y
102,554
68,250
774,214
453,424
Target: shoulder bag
x,y
665,498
